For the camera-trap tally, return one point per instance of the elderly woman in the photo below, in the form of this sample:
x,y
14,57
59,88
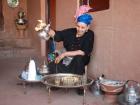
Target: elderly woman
x,y
78,44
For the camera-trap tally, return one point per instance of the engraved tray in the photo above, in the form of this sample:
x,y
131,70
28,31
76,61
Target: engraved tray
x,y
30,81
66,80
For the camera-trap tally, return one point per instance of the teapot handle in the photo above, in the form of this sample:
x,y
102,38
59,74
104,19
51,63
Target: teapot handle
x,y
131,80
126,83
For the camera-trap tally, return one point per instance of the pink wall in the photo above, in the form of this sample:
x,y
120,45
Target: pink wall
x,y
10,14
34,14
116,49
10,34
65,10
32,11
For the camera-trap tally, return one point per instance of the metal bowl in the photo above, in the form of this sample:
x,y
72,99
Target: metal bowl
x,y
112,86
65,80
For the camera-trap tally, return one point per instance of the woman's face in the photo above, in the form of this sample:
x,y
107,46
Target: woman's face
x,y
81,28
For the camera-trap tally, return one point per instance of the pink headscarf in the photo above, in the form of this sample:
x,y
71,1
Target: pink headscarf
x,y
81,10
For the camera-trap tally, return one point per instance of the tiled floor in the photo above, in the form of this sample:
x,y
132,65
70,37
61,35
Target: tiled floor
x,y
12,93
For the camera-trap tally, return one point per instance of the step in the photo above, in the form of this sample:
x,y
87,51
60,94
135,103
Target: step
x,y
17,52
23,42
15,42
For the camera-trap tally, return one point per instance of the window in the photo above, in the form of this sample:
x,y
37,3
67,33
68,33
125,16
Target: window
x,y
96,5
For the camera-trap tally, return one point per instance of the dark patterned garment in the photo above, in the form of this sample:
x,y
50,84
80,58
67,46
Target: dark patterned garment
x,y
73,43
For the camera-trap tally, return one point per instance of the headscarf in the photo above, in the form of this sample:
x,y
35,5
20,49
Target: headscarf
x,y
85,18
81,10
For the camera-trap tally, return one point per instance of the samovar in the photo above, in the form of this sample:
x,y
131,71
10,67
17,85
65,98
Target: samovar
x,y
132,92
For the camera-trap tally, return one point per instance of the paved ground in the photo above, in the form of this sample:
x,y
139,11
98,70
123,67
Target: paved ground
x,y
12,93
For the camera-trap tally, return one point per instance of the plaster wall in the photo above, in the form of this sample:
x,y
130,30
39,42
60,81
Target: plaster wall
x,y
10,36
116,49
65,11
34,14
10,14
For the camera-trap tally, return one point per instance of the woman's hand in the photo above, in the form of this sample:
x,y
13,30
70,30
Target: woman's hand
x,y
51,32
59,58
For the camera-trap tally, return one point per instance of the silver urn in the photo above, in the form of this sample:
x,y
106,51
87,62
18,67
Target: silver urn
x,y
132,92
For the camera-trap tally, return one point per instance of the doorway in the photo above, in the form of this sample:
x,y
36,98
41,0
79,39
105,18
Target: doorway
x,y
50,18
1,17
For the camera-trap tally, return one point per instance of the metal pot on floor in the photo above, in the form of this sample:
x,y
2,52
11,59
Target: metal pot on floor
x,y
95,87
131,95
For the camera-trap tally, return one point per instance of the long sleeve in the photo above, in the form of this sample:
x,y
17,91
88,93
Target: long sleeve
x,y
87,45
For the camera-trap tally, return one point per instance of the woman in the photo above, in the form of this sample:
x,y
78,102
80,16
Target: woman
x,y
78,43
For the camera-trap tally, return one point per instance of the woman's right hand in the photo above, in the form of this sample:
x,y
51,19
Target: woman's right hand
x,y
59,58
51,32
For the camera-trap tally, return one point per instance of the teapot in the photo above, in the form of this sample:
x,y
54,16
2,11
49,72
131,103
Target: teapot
x,y
132,91
42,28
44,33
44,69
95,87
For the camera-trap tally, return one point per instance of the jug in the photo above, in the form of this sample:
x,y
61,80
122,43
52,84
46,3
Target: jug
x,y
132,91
44,32
42,28
95,88
44,69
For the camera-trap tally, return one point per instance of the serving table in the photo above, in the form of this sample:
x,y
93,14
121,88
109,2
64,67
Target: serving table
x,y
66,80
24,82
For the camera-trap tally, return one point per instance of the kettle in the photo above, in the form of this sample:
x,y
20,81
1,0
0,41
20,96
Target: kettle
x,y
42,28
44,69
132,91
44,32
95,87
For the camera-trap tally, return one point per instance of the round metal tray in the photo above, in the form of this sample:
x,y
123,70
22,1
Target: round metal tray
x,y
64,80
30,81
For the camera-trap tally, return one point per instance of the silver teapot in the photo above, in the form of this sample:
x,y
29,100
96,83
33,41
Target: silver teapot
x,y
132,91
44,69
44,32
95,87
42,28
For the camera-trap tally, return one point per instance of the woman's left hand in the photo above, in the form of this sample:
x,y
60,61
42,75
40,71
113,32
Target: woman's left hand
x,y
59,58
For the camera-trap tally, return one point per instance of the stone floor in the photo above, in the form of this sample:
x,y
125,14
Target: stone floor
x,y
10,52
12,92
